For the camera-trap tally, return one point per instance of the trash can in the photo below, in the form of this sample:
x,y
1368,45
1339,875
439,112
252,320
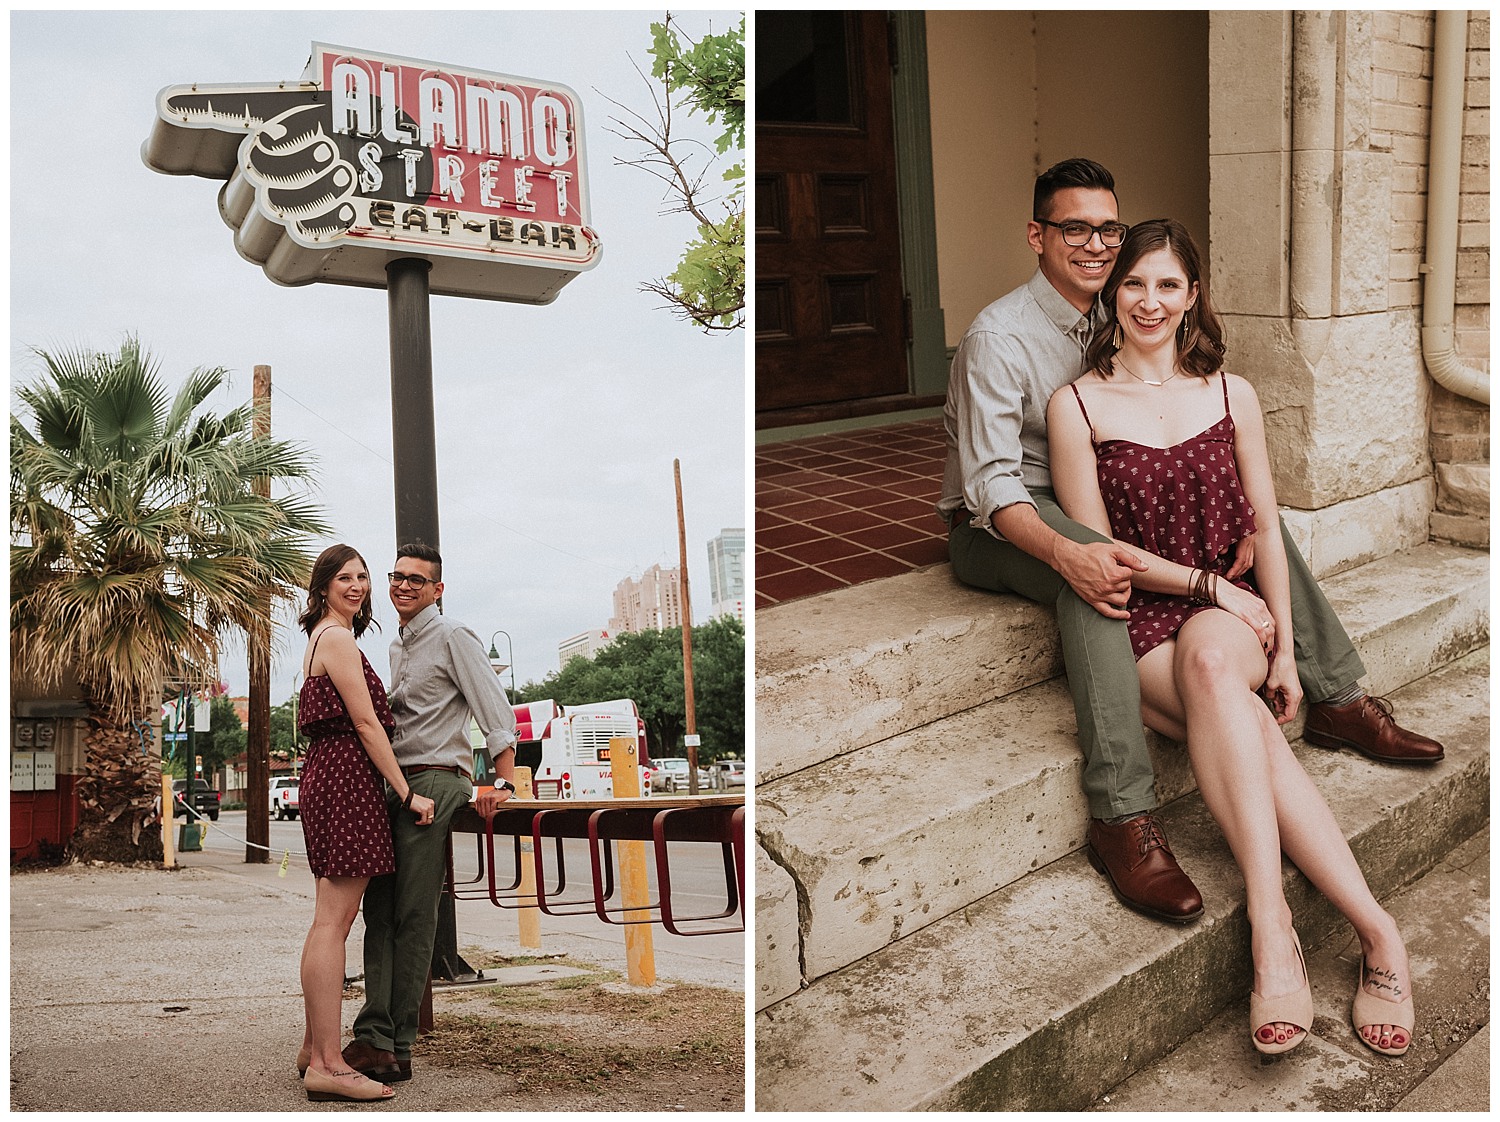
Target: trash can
x,y
190,838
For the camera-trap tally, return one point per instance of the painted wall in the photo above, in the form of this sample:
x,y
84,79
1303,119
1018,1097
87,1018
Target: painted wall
x,y
1014,92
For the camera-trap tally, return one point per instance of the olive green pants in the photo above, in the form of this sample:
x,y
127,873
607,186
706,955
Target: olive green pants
x,y
1117,775
401,915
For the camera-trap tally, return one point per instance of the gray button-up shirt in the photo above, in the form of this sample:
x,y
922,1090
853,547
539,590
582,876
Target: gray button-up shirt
x,y
439,676
1015,355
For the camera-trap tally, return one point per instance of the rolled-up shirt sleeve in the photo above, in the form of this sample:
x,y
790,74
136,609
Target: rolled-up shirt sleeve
x,y
482,691
987,404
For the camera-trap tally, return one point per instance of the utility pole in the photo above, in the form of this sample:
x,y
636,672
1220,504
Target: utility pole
x,y
690,741
258,636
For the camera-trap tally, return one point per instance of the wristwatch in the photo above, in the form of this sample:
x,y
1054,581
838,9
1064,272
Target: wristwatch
x,y
506,784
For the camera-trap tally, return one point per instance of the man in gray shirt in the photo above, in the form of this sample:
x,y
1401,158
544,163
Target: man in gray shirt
x,y
1007,534
439,677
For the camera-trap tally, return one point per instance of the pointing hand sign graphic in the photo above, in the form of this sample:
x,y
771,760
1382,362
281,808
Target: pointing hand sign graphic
x,y
372,158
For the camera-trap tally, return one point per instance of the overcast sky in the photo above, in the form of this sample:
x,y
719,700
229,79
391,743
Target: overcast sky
x,y
556,425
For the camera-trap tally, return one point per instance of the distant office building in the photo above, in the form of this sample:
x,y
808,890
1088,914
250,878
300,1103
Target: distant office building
x,y
726,573
585,645
653,603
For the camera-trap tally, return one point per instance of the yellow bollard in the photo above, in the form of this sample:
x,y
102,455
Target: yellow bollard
x,y
528,919
168,854
635,890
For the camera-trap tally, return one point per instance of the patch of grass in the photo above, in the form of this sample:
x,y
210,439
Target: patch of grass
x,y
575,982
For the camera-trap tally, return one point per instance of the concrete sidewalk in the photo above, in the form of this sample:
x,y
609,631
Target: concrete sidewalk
x,y
141,988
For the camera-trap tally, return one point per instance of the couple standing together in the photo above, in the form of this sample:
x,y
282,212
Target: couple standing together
x,y
382,782
1101,460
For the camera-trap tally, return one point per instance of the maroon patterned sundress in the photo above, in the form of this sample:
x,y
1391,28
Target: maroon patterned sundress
x,y
1183,503
344,819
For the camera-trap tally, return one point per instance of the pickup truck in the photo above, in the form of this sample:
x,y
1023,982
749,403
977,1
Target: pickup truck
x,y
284,797
205,800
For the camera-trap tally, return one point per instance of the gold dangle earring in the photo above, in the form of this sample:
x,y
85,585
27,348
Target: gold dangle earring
x,y
1117,338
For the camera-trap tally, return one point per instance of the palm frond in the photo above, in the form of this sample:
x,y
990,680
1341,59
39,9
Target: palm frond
x,y
138,538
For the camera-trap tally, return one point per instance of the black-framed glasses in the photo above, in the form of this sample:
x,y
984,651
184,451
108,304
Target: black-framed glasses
x,y
398,579
1079,233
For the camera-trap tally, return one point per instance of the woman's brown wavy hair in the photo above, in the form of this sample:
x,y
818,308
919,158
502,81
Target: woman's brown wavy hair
x,y
324,569
1201,350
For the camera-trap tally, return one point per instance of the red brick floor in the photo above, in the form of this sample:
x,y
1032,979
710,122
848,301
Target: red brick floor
x,y
837,510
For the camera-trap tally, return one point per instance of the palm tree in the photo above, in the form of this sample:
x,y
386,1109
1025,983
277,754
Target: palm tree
x,y
137,542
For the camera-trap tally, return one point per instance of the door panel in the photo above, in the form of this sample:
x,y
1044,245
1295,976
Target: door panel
x,y
829,299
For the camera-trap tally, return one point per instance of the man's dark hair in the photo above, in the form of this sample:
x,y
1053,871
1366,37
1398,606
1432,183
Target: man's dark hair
x,y
423,552
1076,172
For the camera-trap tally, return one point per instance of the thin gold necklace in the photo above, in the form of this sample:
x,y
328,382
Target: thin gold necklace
x,y
1147,381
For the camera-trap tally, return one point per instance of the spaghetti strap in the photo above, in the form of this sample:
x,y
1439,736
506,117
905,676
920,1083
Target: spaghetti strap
x,y
1223,381
1079,397
312,654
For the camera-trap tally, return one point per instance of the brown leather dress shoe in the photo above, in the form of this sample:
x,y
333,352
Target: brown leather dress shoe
x,y
1367,726
1136,860
376,1063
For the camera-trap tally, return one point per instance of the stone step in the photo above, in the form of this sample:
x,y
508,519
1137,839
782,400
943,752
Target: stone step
x,y
1444,918
861,849
837,672
1046,993
1464,488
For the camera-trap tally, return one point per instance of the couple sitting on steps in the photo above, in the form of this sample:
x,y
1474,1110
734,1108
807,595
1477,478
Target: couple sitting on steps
x,y
1101,460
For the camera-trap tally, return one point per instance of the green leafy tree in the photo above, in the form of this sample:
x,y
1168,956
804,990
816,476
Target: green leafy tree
x,y
708,77
137,543
646,666
285,745
719,686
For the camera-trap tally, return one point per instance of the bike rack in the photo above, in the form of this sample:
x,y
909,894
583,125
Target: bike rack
x,y
711,819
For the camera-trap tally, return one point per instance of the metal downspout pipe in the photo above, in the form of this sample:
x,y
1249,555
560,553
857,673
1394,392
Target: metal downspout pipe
x,y
1440,270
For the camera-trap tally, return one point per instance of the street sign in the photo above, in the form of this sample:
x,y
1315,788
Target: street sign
x,y
373,158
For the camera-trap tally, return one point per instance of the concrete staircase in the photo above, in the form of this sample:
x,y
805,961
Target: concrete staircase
x,y
929,934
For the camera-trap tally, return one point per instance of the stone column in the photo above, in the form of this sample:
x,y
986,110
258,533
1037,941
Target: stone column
x,y
1301,231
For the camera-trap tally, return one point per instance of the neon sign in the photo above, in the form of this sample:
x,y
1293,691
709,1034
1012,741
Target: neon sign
x,y
372,157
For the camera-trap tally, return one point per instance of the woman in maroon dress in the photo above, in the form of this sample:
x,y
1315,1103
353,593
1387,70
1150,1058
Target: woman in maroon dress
x,y
345,823
1159,448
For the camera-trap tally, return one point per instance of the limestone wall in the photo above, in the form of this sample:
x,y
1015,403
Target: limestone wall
x,y
1318,152
1402,96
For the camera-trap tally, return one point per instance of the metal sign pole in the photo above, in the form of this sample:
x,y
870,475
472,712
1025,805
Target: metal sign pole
x,y
414,445
414,450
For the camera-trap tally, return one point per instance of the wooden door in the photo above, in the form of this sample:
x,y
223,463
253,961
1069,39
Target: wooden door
x,y
830,309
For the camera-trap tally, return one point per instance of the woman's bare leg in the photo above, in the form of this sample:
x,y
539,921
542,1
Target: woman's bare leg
x,y
1207,677
337,903
1313,841
1304,824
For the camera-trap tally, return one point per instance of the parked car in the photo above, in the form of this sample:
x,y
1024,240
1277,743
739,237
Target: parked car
x,y
205,799
729,773
284,802
672,775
